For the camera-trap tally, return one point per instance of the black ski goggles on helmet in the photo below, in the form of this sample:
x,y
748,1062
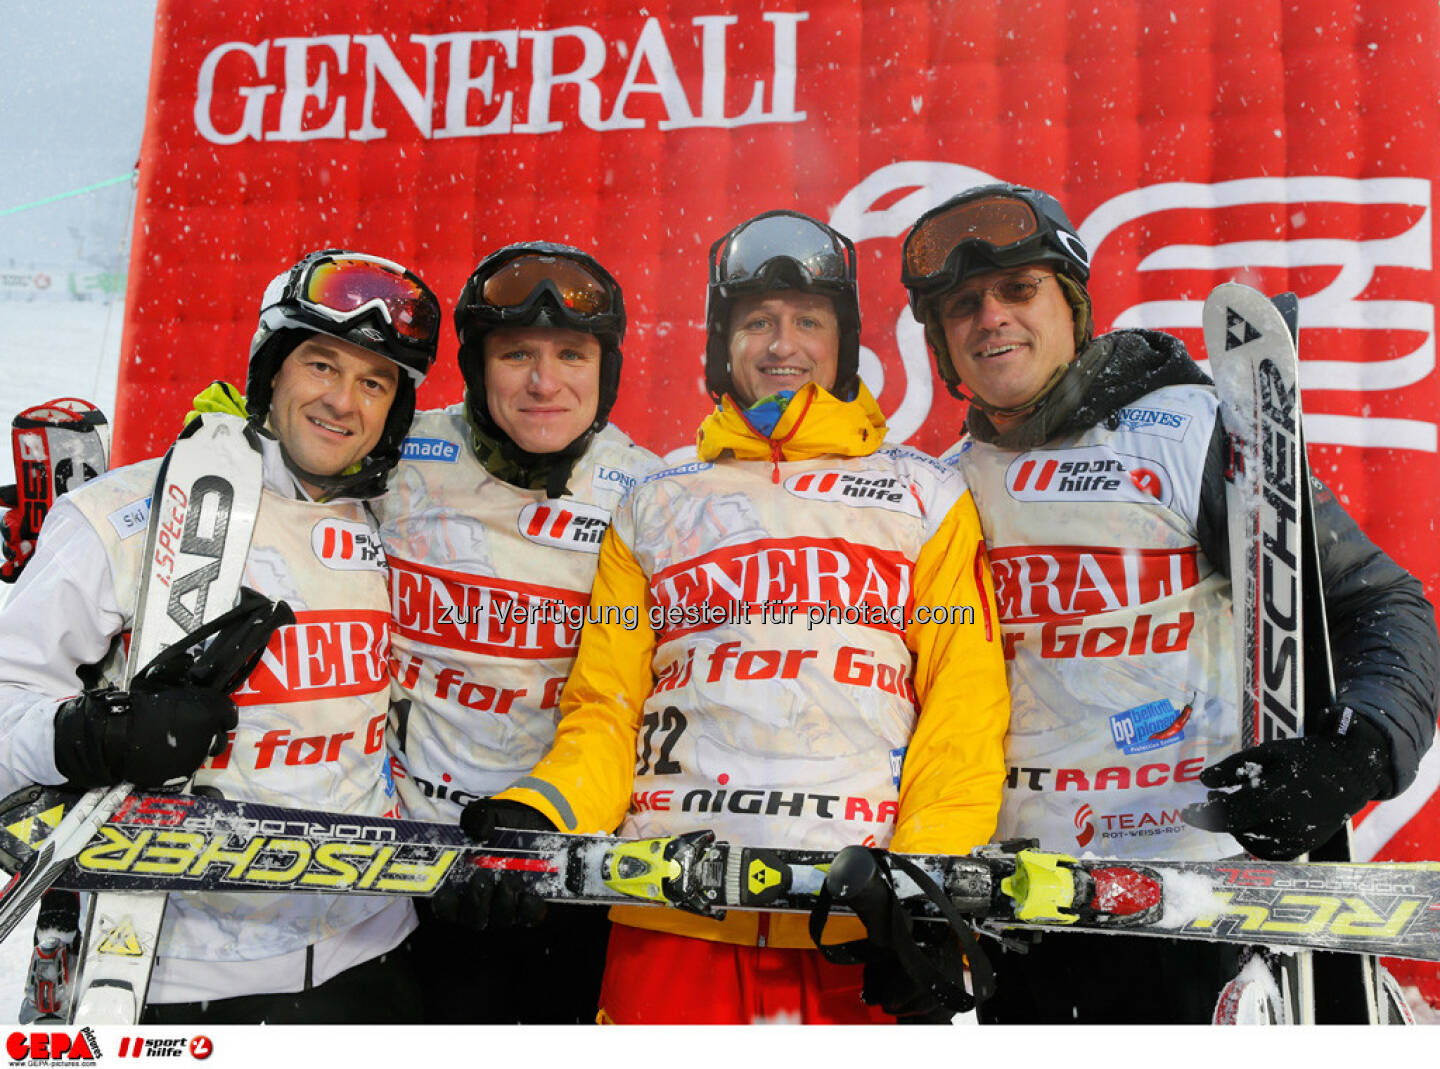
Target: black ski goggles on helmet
x,y
779,250
586,300
1005,230
344,288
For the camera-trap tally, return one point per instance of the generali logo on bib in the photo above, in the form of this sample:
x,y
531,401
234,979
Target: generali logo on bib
x,y
1041,584
1087,474
347,545
323,654
564,525
863,489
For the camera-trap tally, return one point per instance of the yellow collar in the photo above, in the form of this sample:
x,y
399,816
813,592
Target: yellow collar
x,y
815,423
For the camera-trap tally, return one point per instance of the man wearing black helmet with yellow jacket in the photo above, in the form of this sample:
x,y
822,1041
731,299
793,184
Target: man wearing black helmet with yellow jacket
x,y
492,527
778,688
1098,466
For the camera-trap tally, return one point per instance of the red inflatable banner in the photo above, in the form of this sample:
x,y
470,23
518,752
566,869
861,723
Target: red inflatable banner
x,y
1289,146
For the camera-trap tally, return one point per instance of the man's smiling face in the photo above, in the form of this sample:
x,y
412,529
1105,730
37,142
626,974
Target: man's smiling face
x,y
329,403
1005,353
780,340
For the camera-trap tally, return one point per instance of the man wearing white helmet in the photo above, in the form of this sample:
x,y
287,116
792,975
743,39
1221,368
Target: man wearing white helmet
x,y
344,338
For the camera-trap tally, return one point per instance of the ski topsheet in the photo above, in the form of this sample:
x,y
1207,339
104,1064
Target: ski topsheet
x,y
202,513
165,842
1279,612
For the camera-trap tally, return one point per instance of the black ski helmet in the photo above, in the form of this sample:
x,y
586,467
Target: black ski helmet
x,y
365,300
539,284
982,229
781,250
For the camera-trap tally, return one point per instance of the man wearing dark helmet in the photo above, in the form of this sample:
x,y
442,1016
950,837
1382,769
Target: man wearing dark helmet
x,y
1115,603
776,688
492,526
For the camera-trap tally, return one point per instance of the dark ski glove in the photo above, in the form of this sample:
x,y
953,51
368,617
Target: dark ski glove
x,y
146,737
916,973
1283,798
489,901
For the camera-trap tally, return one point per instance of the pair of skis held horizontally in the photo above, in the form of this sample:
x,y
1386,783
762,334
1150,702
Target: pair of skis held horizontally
x,y
171,842
1261,411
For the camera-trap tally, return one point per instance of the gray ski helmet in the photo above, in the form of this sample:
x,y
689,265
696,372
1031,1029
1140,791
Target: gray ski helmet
x,y
372,302
781,250
540,284
982,229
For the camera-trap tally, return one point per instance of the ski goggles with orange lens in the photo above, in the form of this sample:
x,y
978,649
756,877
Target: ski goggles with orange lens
x,y
781,247
518,283
1002,230
346,287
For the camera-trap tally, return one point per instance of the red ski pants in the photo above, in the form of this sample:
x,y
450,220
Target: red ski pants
x,y
660,978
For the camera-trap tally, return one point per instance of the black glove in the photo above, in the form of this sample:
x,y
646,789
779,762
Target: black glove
x,y
916,973
489,901
146,737
1283,798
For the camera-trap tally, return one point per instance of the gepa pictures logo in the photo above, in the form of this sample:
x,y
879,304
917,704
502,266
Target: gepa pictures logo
x,y
54,1048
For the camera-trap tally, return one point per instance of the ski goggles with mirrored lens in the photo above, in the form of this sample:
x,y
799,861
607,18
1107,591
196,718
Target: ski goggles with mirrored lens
x,y
519,282
749,256
1005,224
348,286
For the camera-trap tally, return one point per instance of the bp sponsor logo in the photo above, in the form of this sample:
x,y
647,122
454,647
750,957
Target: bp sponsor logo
x,y
1160,422
429,449
1086,474
1149,727
897,763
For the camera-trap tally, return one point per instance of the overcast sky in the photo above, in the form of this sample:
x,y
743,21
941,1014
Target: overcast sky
x,y
73,81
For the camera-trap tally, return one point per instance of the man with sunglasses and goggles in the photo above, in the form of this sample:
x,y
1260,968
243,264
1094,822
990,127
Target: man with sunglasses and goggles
x,y
496,513
343,340
997,276
777,688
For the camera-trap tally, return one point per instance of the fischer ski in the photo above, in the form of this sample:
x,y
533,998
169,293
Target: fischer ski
x,y
166,842
1281,632
197,540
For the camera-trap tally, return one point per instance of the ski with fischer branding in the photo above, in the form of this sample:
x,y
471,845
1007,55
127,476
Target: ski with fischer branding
x,y
1280,627
202,514
167,842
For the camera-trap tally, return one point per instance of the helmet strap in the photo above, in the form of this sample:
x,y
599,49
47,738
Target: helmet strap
x,y
498,453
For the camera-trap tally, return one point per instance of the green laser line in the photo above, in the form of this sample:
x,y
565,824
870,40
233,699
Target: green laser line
x,y
72,193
